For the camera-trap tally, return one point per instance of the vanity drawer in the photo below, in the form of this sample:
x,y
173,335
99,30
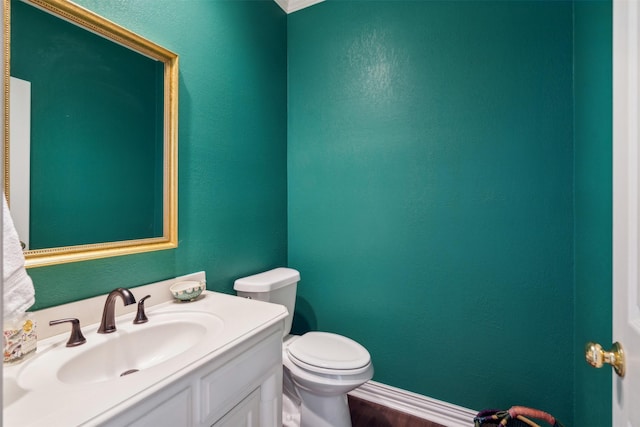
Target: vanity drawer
x,y
222,389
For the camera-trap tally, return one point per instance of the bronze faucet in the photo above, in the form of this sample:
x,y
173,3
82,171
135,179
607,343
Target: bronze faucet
x,y
76,337
108,323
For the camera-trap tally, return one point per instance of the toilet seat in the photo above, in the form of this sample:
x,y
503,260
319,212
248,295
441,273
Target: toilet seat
x,y
328,353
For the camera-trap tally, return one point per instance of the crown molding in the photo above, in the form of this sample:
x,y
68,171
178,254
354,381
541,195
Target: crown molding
x,y
290,6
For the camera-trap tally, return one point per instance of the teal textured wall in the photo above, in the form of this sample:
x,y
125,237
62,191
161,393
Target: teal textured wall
x,y
232,148
593,200
431,193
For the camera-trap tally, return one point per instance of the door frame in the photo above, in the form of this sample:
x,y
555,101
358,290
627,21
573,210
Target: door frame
x,y
626,205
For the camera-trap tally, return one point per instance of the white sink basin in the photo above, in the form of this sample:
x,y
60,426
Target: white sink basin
x,y
178,340
126,352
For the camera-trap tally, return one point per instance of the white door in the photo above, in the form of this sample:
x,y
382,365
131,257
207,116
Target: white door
x,y
626,209
20,156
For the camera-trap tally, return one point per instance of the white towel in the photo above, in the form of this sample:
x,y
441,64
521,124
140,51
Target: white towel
x,y
19,294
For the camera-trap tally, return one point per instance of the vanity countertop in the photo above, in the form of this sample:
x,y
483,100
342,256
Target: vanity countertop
x,y
58,403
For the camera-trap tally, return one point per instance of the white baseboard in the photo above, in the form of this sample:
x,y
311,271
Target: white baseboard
x,y
415,404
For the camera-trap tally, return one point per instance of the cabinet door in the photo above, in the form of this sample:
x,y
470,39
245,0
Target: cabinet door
x,y
176,411
223,387
244,414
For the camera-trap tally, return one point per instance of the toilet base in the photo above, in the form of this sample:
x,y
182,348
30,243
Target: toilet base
x,y
303,409
324,411
290,412
318,399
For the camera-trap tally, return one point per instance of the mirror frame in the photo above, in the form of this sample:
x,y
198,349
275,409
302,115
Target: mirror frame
x,y
90,21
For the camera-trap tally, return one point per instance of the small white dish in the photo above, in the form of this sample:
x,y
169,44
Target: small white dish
x,y
187,290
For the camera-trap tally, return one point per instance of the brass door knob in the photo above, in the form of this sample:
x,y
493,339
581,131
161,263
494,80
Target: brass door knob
x,y
597,357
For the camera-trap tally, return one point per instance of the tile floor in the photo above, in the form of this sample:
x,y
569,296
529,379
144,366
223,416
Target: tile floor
x,y
369,414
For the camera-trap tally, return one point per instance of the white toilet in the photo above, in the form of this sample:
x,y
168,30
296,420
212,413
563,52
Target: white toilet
x,y
320,368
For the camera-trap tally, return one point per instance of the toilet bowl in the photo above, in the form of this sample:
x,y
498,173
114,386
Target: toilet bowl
x,y
320,368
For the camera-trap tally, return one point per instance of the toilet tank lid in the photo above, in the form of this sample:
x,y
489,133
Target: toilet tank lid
x,y
267,281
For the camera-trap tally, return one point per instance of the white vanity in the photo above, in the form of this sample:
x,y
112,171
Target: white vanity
x,y
216,361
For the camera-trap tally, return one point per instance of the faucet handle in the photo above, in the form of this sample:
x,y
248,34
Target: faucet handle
x,y
76,337
140,316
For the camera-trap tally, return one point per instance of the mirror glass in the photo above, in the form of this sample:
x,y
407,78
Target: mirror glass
x,y
101,117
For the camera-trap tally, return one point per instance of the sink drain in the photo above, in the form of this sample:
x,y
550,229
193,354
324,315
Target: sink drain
x,y
130,371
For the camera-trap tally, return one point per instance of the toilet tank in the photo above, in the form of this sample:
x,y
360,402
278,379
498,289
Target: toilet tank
x,y
277,286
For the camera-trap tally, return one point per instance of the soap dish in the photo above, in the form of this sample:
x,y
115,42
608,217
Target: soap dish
x,y
187,290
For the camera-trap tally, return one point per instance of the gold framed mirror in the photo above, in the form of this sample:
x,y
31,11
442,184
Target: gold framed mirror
x,y
103,134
